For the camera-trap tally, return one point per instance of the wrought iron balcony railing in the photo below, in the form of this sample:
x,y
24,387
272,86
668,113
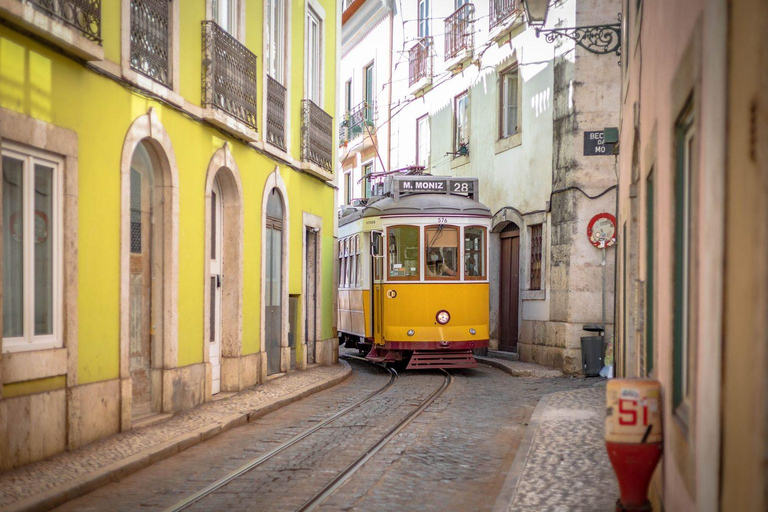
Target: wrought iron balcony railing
x,y
150,39
275,113
316,135
420,60
82,15
500,10
229,74
356,120
459,35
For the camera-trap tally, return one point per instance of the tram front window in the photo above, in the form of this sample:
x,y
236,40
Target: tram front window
x,y
441,251
403,248
474,252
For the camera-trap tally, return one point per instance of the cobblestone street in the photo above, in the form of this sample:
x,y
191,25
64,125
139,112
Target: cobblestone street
x,y
454,456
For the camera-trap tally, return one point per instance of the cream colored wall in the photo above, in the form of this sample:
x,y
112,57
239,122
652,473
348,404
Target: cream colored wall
x,y
678,51
745,345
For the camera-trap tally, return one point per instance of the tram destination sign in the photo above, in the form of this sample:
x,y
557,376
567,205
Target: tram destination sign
x,y
436,186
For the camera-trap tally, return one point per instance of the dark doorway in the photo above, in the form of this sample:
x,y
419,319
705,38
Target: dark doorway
x,y
273,253
509,289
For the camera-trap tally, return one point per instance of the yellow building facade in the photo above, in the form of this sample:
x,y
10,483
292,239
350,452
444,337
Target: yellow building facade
x,y
167,208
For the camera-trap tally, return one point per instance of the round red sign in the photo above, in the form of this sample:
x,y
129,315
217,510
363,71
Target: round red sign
x,y
602,230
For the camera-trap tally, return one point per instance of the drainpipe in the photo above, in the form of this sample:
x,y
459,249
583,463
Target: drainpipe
x,y
389,85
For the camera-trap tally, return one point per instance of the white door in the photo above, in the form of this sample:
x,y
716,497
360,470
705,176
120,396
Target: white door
x,y
215,278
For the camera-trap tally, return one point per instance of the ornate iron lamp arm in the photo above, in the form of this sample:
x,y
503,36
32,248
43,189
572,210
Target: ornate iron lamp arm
x,y
598,39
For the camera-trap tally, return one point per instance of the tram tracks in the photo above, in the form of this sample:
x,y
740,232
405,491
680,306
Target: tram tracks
x,y
344,475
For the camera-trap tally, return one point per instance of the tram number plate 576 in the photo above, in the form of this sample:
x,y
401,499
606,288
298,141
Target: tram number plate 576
x,y
442,220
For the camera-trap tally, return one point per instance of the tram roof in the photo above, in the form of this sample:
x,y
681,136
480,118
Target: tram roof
x,y
416,204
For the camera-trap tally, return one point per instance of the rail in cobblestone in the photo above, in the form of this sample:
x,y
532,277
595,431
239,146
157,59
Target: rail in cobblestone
x,y
245,468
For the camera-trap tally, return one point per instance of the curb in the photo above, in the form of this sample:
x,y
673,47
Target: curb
x,y
509,489
488,361
145,458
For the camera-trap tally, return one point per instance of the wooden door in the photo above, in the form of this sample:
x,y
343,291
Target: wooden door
x,y
140,285
310,304
215,286
509,290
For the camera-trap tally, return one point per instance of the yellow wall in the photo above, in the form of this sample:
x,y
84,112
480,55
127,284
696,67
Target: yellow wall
x,y
42,83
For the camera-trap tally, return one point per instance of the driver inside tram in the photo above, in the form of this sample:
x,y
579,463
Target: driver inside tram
x,y
436,267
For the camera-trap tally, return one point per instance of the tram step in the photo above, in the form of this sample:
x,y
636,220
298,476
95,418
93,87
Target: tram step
x,y
441,359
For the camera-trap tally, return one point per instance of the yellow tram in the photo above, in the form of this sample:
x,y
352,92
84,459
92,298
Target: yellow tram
x,y
413,273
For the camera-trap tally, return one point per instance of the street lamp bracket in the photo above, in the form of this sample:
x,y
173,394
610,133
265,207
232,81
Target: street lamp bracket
x,y
597,39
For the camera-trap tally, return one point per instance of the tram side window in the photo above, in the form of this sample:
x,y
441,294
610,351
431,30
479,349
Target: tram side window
x,y
359,251
474,253
342,266
348,262
403,251
441,251
378,255
352,263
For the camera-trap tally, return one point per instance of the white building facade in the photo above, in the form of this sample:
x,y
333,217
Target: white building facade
x,y
475,93
364,96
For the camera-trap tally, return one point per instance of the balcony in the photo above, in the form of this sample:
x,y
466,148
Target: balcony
x,y
420,66
356,122
275,113
73,25
459,36
229,82
505,15
317,137
150,39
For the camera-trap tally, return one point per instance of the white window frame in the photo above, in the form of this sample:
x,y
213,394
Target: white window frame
x,y
422,18
237,8
364,183
275,30
459,124
504,104
348,96
314,92
29,341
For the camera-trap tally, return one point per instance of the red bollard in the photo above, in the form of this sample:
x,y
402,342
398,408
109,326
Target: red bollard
x,y
633,438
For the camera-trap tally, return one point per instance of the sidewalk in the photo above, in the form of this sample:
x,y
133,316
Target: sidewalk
x,y
520,369
46,484
562,464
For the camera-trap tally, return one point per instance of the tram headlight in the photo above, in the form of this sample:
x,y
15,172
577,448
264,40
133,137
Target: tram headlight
x,y
472,332
443,317
411,332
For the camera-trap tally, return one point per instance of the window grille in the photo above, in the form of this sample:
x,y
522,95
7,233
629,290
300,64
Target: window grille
x,y
150,39
500,10
135,212
536,250
419,60
82,15
275,113
458,31
316,135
